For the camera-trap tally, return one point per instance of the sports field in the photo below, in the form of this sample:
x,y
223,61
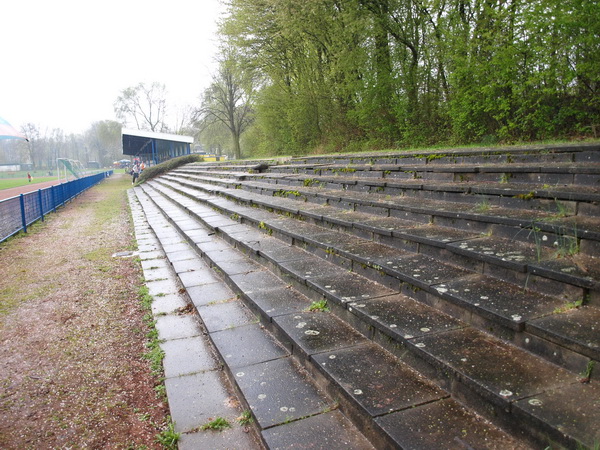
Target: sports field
x,y
7,183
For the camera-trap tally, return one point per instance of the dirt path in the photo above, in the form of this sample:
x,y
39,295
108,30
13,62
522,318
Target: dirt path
x,y
72,332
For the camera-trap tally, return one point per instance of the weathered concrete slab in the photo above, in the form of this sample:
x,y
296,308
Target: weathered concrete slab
x,y
331,431
434,235
444,424
246,345
196,399
162,287
222,316
182,255
198,277
510,254
236,437
498,300
419,270
278,301
311,266
403,317
278,392
500,372
210,293
187,356
188,265
175,326
167,304
376,380
577,329
250,282
315,332
567,271
573,411
348,287
158,273
239,266
159,263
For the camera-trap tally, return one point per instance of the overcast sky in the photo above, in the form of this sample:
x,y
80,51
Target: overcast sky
x,y
64,62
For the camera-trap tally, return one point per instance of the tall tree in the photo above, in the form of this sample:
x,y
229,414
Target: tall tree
x,y
228,101
143,105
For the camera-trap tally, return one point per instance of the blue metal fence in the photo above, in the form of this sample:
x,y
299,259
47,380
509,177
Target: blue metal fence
x,y
17,213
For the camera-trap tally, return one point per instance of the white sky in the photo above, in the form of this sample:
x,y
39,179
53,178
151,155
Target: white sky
x,y
65,62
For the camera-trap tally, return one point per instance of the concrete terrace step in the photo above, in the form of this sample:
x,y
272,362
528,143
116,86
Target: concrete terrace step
x,y
271,383
338,357
348,292
545,198
507,305
505,258
519,223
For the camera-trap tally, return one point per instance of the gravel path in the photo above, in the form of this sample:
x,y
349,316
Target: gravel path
x,y
72,332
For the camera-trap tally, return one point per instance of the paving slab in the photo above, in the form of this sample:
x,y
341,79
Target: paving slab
x,y
444,424
384,225
198,277
246,345
568,271
331,431
314,332
434,235
376,380
236,437
158,273
577,329
511,305
499,371
157,263
273,302
348,287
162,287
177,326
188,265
183,255
573,411
310,266
196,399
513,255
187,356
259,280
278,391
221,316
210,293
238,266
403,317
166,304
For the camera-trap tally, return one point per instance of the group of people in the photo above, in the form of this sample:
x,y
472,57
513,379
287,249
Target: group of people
x,y
138,167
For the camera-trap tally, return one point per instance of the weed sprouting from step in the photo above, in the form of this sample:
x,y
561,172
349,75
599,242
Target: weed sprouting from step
x,y
483,206
168,437
218,424
245,418
320,306
569,306
586,375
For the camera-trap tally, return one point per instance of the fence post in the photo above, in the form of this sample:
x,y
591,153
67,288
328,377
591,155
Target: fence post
x,y
23,219
53,198
41,204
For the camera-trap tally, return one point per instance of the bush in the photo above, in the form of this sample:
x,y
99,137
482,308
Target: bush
x,y
167,166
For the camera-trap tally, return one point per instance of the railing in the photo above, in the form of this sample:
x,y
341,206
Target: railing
x,y
17,213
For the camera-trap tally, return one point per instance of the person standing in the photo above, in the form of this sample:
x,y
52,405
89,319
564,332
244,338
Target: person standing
x,y
135,172
29,176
